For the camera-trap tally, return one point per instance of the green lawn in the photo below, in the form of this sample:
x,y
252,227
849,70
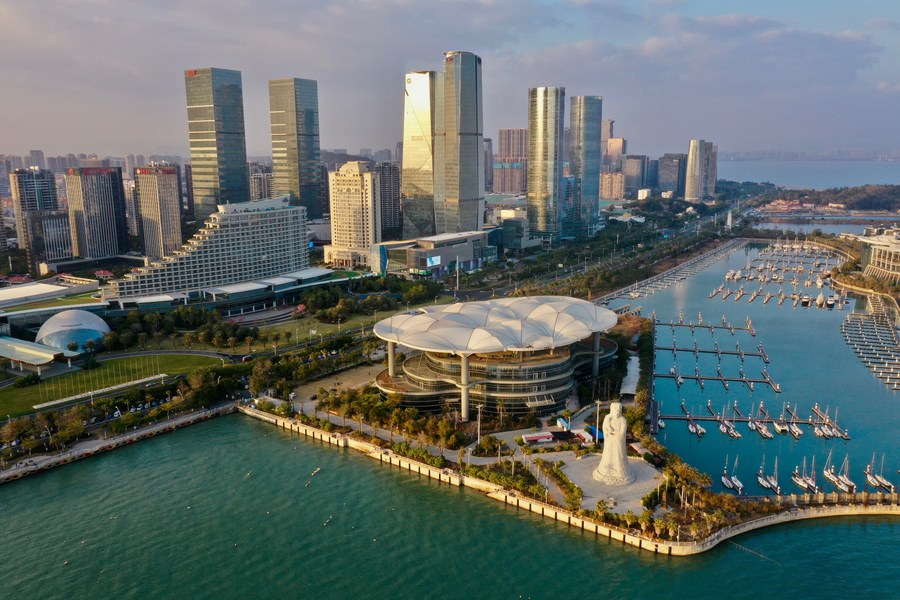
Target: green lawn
x,y
16,401
64,301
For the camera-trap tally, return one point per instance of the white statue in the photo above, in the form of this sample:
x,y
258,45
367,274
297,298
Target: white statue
x,y
613,468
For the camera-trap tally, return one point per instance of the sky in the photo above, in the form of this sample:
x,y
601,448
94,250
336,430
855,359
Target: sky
x,y
107,76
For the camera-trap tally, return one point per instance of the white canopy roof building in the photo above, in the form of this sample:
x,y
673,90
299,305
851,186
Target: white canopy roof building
x,y
517,354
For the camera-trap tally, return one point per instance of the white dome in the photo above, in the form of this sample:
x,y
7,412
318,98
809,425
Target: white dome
x,y
69,326
533,323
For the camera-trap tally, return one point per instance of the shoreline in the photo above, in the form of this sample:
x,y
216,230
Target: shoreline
x,y
857,505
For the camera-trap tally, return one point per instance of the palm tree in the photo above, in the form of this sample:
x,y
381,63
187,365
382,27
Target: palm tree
x,y
276,337
89,345
287,337
158,337
173,338
218,340
249,341
72,346
142,340
232,342
203,338
189,339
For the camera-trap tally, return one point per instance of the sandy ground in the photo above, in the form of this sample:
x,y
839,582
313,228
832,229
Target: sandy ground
x,y
620,499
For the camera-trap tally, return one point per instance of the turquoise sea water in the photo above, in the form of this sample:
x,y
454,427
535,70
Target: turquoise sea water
x,y
223,509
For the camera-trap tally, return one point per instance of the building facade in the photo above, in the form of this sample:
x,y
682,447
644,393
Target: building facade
x,y
586,121
510,162
881,254
158,193
634,166
459,146
488,165
433,257
546,188
294,114
389,184
612,186
215,107
700,175
32,190
616,149
671,174
241,242
96,197
355,215
417,178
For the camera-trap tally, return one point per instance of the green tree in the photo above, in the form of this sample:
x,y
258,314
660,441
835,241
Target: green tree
x,y
189,339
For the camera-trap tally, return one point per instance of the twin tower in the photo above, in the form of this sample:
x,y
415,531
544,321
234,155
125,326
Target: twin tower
x,y
219,174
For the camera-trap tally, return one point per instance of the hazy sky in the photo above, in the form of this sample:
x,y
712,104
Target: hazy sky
x,y
106,76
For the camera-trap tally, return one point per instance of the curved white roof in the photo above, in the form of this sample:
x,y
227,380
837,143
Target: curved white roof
x,y
71,320
532,323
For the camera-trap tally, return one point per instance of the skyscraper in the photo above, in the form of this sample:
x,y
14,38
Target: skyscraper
x,y
671,173
33,190
158,196
459,146
215,106
616,149
510,162
36,159
294,114
546,112
635,168
355,214
488,165
97,211
700,178
586,118
389,178
417,179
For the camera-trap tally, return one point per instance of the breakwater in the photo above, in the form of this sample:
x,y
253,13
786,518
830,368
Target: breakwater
x,y
795,507
31,466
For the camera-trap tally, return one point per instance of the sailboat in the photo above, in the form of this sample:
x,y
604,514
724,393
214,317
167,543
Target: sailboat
x,y
881,480
761,476
780,424
844,482
810,479
871,478
794,429
828,470
738,486
773,479
798,479
726,479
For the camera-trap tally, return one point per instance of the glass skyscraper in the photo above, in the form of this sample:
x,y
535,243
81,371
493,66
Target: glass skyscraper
x,y
97,211
547,216
417,179
585,128
294,114
700,178
459,158
215,106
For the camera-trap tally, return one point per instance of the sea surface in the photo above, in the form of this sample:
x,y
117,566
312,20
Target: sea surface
x,y
811,174
229,508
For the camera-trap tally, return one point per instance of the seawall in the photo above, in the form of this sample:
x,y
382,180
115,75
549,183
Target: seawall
x,y
857,504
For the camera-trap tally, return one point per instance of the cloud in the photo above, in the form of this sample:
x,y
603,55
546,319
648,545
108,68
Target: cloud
x,y
888,88
883,23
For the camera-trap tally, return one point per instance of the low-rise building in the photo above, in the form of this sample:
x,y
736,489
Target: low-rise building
x,y
881,253
434,256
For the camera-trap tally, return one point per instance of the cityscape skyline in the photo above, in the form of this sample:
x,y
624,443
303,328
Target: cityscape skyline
x,y
833,80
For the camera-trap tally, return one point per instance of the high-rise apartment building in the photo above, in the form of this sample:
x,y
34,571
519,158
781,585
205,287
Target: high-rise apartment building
x,y
417,179
158,195
33,191
459,146
36,159
262,185
215,106
616,149
488,165
355,214
49,237
547,216
612,186
97,211
389,191
700,177
671,173
294,115
586,118
510,162
635,168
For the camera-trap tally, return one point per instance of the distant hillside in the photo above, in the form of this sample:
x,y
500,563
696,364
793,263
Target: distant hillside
x,y
866,197
333,160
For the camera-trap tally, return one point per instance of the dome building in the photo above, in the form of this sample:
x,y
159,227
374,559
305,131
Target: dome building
x,y
77,326
519,354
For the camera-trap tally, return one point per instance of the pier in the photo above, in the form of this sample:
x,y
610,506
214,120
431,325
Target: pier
x,y
873,338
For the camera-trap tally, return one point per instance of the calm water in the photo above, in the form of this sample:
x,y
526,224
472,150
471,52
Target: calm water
x,y
222,509
814,174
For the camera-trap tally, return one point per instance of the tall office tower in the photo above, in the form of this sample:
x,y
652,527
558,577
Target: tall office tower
x,y
294,114
635,168
140,161
188,195
355,214
32,190
546,193
132,217
49,237
651,177
488,165
4,178
459,146
671,173
97,211
398,153
215,107
129,166
262,185
365,152
36,159
606,130
158,193
324,199
585,127
700,178
612,186
616,149
510,162
383,155
389,176
418,168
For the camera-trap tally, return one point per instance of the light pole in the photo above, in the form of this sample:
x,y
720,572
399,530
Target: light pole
x,y
479,407
597,432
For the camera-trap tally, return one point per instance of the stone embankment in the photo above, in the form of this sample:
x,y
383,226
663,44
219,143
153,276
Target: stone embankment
x,y
796,507
30,466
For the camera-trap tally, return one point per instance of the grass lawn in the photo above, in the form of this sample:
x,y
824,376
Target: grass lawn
x,y
17,401
303,327
65,301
